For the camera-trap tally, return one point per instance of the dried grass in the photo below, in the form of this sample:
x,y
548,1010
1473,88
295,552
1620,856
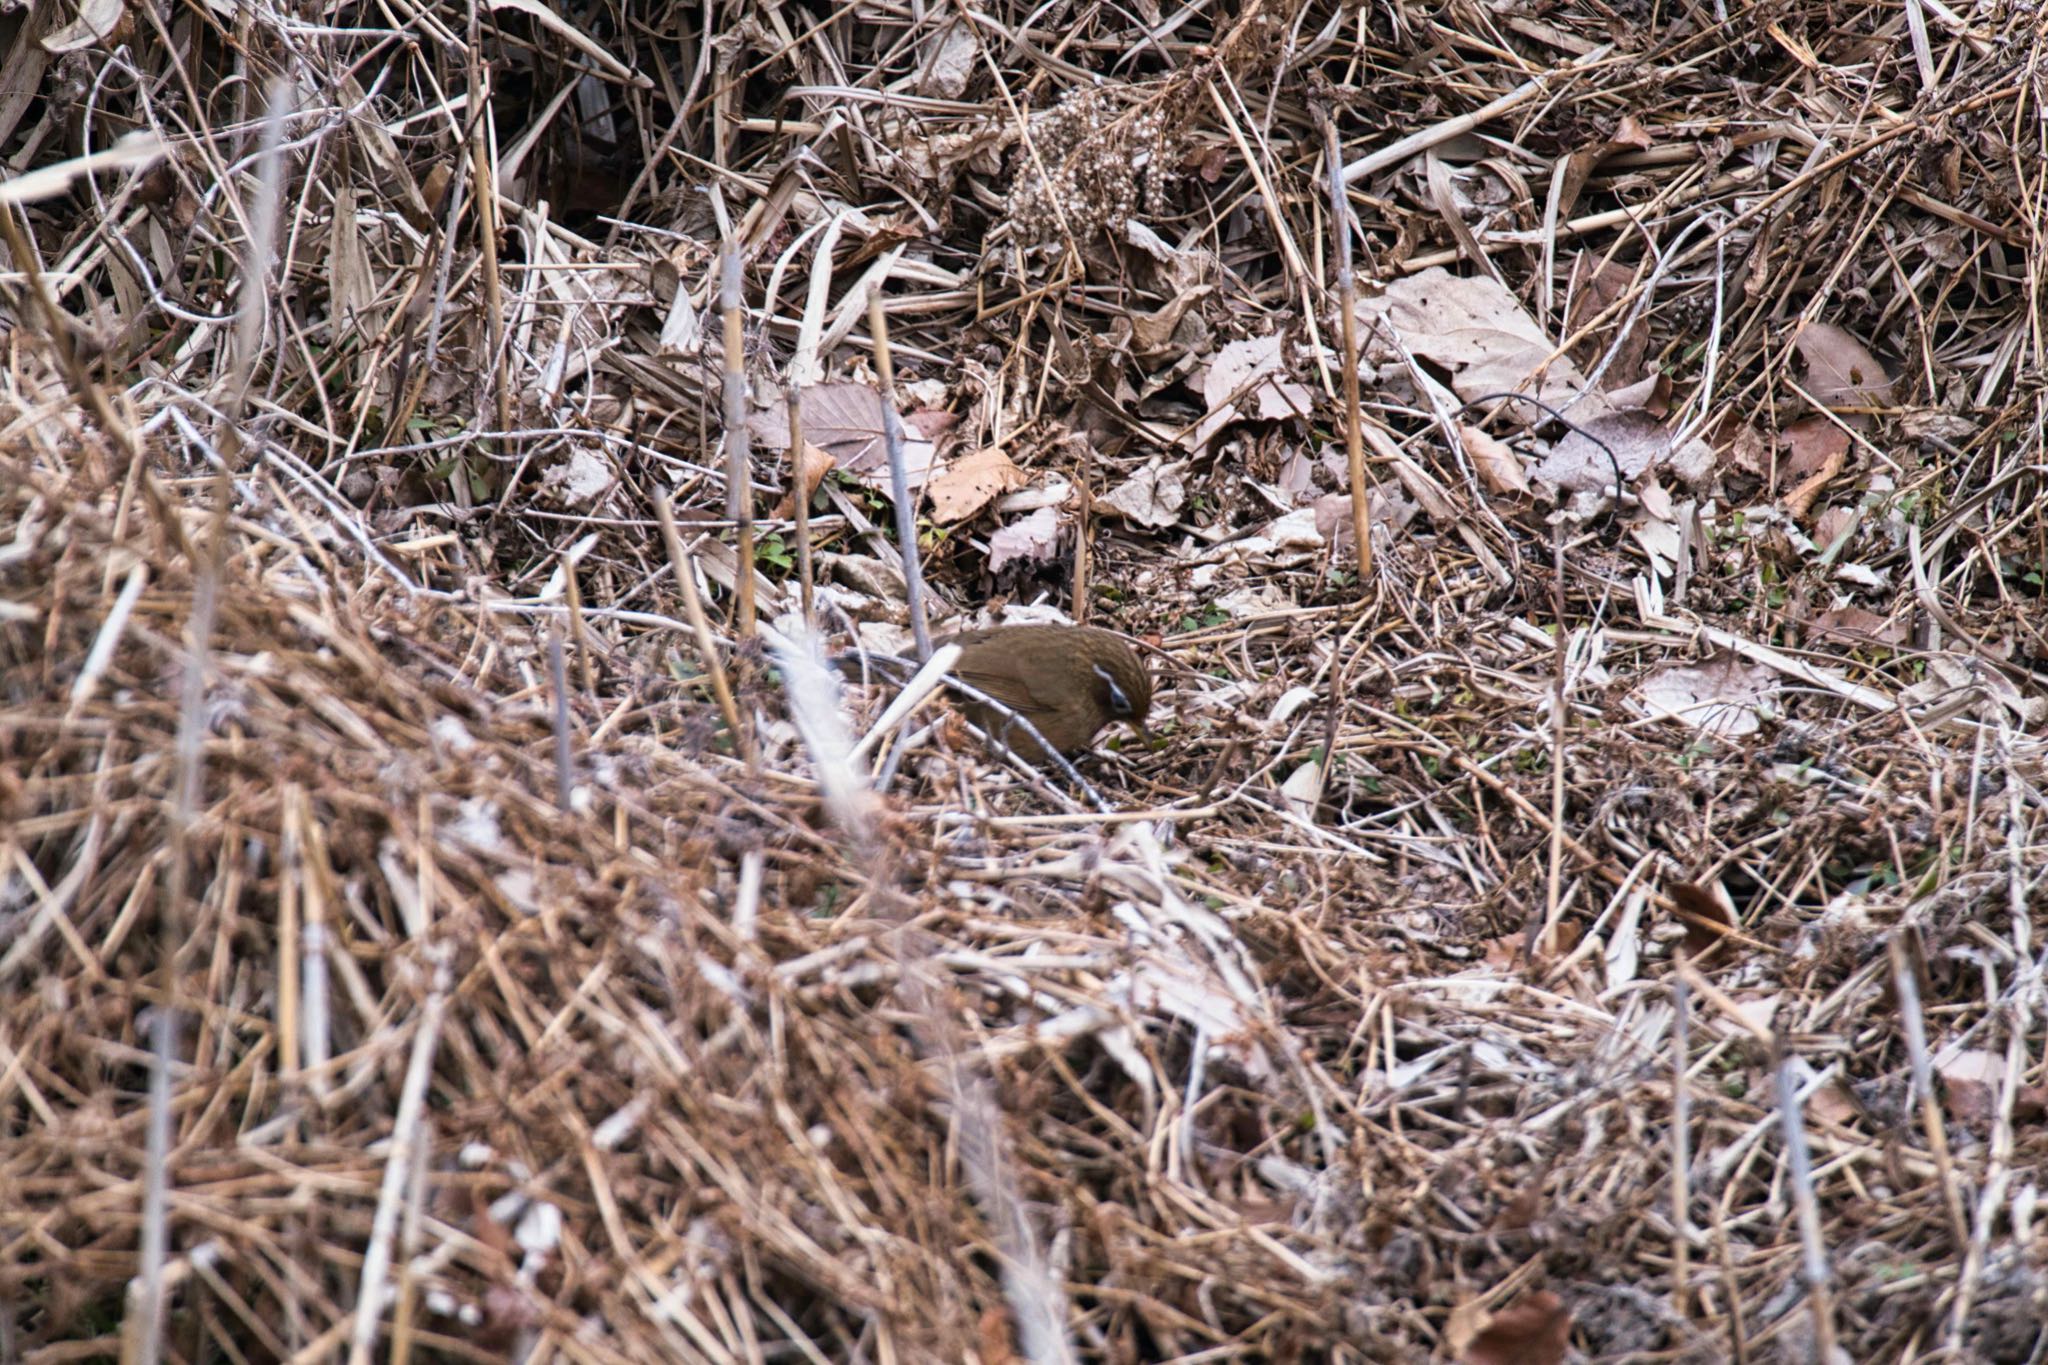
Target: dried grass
x,y
402,954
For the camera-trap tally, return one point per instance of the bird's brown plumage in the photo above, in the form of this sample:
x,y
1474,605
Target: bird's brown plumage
x,y
1068,681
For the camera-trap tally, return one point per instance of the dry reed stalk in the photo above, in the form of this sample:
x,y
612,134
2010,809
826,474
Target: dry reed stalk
x,y
707,646
899,478
739,481
1354,416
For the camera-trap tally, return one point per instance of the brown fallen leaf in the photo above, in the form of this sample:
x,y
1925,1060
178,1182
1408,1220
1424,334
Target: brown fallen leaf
x,y
1800,500
1719,696
1857,626
1498,466
1840,370
817,463
1595,285
971,483
1247,380
1475,334
1153,496
1534,1330
1703,910
846,419
1809,444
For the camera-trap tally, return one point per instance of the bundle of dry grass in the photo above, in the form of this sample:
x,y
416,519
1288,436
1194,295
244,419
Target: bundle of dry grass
x,y
442,914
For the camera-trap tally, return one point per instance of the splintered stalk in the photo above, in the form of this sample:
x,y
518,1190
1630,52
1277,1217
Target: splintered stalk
x,y
1347,302
800,491
899,476
739,483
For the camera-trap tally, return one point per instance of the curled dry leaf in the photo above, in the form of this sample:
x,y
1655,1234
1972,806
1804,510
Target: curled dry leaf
x,y
1499,467
1799,501
1706,911
816,464
1034,539
970,483
1152,333
99,24
1534,1330
1303,789
1151,497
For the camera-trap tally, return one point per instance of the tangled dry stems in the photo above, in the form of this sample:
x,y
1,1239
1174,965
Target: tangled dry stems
x,y
693,1076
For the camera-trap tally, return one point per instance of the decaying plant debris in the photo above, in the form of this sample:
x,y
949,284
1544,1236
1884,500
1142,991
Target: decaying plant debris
x,y
1607,931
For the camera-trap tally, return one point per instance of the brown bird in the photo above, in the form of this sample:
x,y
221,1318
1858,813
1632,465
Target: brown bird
x,y
1067,681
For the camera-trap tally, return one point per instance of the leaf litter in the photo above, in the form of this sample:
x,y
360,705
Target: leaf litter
x,y
1601,930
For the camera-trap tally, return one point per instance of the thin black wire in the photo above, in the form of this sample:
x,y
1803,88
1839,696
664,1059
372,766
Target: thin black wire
x,y
1556,416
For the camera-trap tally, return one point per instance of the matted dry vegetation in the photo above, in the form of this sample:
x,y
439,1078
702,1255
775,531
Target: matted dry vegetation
x,y
1602,929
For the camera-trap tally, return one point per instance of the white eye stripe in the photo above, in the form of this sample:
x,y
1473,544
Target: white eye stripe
x,y
1119,704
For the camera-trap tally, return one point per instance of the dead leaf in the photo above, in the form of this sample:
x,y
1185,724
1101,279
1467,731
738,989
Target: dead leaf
x,y
100,23
1840,370
1857,626
817,463
1389,512
970,483
1971,1079
1152,333
1810,443
952,63
1535,1330
979,149
1630,443
1720,697
582,478
1034,539
1595,286
1580,165
1476,332
1252,600
1749,450
931,423
1333,520
1247,380
845,420
1151,497
1829,526
1297,473
1206,162
1799,501
1303,790
1499,467
1705,908
1832,1103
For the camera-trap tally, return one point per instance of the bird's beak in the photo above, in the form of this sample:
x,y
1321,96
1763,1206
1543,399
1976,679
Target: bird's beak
x,y
1144,733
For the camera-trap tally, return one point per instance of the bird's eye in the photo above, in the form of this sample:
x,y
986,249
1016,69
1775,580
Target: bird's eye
x,y
1119,704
